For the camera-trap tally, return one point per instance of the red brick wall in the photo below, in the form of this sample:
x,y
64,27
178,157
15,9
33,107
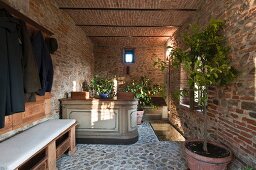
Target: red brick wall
x,y
232,109
109,60
34,113
74,60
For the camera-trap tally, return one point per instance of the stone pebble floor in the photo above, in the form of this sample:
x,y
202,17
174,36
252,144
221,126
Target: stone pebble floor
x,y
147,154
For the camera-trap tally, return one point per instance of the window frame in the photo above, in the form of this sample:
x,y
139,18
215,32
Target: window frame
x,y
129,51
191,99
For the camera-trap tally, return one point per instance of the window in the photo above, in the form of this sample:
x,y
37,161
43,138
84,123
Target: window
x,y
128,56
190,96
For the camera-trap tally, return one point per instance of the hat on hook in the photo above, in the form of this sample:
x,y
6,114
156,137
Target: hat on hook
x,y
52,44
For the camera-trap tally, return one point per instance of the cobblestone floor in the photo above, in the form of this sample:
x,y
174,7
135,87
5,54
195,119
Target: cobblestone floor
x,y
147,154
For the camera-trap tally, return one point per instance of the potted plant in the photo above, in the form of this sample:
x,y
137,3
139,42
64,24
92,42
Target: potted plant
x,y
143,89
102,86
206,63
86,89
125,95
122,94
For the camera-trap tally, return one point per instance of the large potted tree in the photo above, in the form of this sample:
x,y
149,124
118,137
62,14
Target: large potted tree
x,y
143,89
207,64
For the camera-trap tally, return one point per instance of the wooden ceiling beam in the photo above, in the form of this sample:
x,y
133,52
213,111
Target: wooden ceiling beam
x,y
136,26
125,36
131,9
25,18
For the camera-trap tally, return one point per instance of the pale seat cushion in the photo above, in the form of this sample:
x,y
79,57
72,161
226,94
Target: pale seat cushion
x,y
19,148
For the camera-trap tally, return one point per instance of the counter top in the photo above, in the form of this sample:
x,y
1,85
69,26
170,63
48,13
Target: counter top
x,y
96,99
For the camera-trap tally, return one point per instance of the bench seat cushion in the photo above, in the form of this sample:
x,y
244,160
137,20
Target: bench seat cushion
x,y
19,148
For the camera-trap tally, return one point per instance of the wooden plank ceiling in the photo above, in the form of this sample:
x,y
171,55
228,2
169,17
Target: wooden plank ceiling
x,y
129,22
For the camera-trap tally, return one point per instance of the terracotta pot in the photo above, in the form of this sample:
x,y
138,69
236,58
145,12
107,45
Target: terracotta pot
x,y
125,95
80,95
199,162
139,117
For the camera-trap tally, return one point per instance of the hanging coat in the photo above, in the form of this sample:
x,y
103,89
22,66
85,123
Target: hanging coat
x,y
11,72
44,63
31,75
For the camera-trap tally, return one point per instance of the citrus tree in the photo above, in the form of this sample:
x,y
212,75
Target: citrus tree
x,y
206,62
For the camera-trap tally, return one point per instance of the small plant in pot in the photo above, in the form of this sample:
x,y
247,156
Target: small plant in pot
x,y
85,86
122,94
143,89
125,95
103,87
86,89
207,64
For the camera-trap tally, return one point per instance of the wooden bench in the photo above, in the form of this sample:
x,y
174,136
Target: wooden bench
x,y
39,146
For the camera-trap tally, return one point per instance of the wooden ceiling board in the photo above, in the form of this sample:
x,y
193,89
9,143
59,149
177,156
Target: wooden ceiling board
x,y
153,4
129,41
147,18
129,22
130,31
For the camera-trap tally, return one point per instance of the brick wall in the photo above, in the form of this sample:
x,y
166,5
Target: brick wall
x,y
74,60
109,61
232,108
35,113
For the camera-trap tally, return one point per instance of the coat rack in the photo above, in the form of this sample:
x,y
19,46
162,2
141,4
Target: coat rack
x,y
26,19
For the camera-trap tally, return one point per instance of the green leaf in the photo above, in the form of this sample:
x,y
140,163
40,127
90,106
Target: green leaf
x,y
205,57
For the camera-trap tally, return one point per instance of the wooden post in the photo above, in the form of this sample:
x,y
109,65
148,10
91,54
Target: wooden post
x,y
51,152
72,137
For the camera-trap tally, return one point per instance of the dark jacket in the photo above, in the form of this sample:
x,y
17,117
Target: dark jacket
x,y
30,73
11,71
19,75
44,63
